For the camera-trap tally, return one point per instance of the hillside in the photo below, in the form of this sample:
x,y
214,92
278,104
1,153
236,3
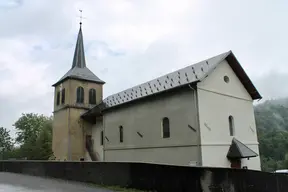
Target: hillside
x,y
272,114
272,124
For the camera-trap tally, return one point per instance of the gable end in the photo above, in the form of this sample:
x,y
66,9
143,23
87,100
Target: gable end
x,y
243,77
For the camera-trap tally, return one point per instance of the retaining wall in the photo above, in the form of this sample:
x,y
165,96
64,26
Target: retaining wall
x,y
154,177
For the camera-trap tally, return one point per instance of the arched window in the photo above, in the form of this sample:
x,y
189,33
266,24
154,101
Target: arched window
x,y
101,138
80,95
231,126
165,127
58,98
92,96
121,134
63,96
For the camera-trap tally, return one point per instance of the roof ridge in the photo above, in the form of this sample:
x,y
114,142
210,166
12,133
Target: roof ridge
x,y
225,54
185,75
228,52
174,71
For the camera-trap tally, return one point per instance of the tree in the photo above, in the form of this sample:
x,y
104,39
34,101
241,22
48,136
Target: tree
x,y
5,142
44,141
272,125
29,126
273,147
34,134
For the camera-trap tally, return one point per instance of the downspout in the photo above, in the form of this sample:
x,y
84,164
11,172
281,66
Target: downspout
x,y
69,139
104,136
199,163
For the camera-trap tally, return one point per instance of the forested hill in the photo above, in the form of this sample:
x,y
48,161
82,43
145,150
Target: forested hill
x,y
272,114
272,124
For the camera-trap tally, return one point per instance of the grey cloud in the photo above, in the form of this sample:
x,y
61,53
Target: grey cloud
x,y
10,4
8,112
272,85
130,46
122,72
42,18
11,110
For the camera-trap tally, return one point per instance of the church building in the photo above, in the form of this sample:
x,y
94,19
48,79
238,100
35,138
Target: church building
x,y
201,115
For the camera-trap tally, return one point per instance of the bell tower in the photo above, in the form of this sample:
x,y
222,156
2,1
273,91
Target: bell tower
x,y
76,92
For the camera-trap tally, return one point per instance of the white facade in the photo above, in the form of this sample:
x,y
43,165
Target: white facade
x,y
217,100
145,118
95,132
218,96
96,135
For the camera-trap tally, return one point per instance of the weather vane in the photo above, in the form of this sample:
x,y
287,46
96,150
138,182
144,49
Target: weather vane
x,y
81,16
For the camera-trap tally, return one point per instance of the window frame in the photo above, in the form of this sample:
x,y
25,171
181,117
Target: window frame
x,y
101,138
80,95
63,96
166,133
231,125
121,134
92,96
58,98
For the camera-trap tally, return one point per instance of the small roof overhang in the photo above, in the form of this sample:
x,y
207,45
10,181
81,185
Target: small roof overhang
x,y
83,74
239,150
94,112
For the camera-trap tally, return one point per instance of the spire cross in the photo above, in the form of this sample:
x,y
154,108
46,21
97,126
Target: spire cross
x,y
81,16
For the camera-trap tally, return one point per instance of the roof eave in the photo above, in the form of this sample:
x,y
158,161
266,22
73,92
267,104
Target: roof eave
x,y
77,78
95,111
242,157
244,78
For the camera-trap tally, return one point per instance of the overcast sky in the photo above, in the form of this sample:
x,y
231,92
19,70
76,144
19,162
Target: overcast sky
x,y
130,42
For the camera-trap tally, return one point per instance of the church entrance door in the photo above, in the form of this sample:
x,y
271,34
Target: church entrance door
x,y
236,163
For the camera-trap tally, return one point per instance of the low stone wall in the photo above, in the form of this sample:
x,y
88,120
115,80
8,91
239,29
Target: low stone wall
x,y
153,176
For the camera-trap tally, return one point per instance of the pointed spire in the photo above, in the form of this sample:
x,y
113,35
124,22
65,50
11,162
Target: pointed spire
x,y
79,70
79,55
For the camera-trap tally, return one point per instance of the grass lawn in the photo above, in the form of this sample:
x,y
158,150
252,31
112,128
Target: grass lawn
x,y
121,189
118,189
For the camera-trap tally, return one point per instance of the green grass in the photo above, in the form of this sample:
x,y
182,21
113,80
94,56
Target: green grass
x,y
117,188
121,189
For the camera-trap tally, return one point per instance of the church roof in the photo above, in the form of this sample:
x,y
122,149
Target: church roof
x,y
239,150
191,74
79,69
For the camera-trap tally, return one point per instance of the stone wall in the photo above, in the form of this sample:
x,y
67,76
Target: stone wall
x,y
153,176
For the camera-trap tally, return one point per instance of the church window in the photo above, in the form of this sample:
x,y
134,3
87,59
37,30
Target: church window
x,y
58,98
102,138
165,127
80,95
92,96
63,96
226,79
231,126
121,134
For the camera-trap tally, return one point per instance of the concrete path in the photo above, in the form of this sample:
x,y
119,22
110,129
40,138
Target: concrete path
x,y
11,182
